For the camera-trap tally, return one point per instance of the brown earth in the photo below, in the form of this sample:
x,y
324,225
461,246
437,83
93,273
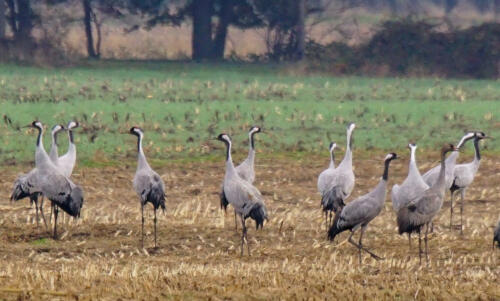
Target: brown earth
x,y
99,256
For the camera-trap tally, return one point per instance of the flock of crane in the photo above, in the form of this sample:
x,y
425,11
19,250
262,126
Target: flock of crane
x,y
416,201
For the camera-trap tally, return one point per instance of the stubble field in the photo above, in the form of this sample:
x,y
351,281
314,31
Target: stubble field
x,y
99,256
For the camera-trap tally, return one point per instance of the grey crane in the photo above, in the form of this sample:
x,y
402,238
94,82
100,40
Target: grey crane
x,y
342,181
420,211
242,195
360,212
147,183
463,176
67,161
26,184
60,190
326,177
245,170
412,186
496,235
430,177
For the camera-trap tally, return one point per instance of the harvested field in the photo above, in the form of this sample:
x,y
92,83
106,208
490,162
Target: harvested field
x,y
99,255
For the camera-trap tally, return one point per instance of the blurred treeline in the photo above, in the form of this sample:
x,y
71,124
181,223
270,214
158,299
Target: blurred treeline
x,y
416,37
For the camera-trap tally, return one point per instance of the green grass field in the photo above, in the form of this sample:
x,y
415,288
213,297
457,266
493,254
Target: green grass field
x,y
181,106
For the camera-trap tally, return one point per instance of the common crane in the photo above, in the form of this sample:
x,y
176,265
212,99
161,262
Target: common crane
x,y
342,181
412,186
360,212
242,195
326,177
147,183
245,170
26,184
463,175
420,211
60,190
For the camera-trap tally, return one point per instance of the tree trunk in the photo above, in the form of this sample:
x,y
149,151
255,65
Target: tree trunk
x,y
87,22
202,43
300,30
24,22
225,16
12,16
3,21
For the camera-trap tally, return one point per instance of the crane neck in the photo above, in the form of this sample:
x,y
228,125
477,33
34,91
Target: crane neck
x,y
54,154
229,160
477,154
413,161
70,134
41,156
440,183
385,175
332,159
141,158
348,152
251,146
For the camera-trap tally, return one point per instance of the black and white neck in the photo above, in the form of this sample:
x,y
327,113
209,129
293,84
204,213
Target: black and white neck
x,y
332,155
387,161
348,152
141,157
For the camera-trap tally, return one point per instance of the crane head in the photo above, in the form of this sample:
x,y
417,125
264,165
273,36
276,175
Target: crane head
x,y
73,125
332,146
254,129
136,131
57,128
224,137
391,156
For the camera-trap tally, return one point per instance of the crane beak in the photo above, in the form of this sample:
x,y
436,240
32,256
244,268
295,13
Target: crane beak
x,y
488,137
27,126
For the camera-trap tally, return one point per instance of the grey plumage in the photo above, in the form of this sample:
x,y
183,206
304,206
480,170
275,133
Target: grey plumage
x,y
26,186
463,176
242,195
245,170
61,191
147,183
420,211
496,235
342,180
412,186
327,175
360,212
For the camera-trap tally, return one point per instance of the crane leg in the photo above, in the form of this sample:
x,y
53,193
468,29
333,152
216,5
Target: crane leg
x,y
243,234
155,228
56,212
360,247
43,215
409,240
451,210
462,195
35,200
419,246
326,221
425,238
235,221
142,227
